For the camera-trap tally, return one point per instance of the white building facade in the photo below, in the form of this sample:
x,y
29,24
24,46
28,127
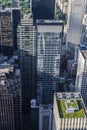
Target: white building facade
x,y
63,122
81,77
76,10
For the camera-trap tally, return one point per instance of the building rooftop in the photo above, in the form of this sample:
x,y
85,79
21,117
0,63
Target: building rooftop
x,y
10,75
70,105
49,22
5,10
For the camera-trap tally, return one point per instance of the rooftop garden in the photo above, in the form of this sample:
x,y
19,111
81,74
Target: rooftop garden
x,y
24,4
71,103
64,114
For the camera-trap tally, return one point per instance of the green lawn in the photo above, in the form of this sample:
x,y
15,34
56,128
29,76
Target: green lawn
x,y
64,114
72,104
24,4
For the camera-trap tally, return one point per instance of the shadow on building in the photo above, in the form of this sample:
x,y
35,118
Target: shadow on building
x,y
30,90
6,50
42,12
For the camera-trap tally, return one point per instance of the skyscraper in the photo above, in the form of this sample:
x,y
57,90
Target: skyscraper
x,y
81,77
16,17
6,106
6,32
10,98
27,51
49,41
76,10
69,112
9,19
43,9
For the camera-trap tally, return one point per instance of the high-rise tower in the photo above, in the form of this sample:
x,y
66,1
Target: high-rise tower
x,y
49,41
76,10
6,32
9,19
10,97
16,16
81,77
27,51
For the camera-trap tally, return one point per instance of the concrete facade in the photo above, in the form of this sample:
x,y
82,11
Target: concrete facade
x,y
81,77
74,22
67,123
10,98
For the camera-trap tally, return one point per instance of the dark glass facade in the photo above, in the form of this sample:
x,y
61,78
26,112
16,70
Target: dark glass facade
x,y
27,51
49,41
43,9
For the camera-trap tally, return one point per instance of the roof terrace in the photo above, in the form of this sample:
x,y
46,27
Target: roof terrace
x,y
70,105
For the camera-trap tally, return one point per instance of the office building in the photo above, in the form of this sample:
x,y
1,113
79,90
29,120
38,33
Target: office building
x,y
49,41
69,112
74,22
81,77
43,9
16,17
26,40
6,32
9,19
45,117
10,97
6,103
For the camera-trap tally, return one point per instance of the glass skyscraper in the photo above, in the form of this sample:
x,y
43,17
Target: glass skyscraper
x,y
49,40
27,53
